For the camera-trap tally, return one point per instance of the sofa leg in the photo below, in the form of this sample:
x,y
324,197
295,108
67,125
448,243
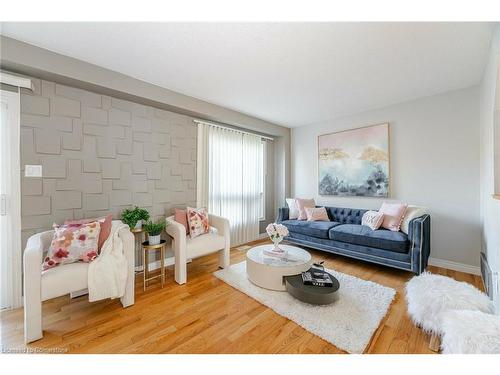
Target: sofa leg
x,y
435,343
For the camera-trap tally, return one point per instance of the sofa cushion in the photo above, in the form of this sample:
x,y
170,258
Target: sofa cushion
x,y
363,235
317,229
381,255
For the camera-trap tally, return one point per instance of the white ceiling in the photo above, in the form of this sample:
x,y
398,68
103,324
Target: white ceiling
x,y
291,74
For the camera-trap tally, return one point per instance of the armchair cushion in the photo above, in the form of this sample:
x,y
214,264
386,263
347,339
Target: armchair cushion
x,y
204,244
59,280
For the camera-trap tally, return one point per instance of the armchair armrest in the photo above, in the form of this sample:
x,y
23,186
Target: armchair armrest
x,y
178,233
222,226
32,270
220,223
419,234
283,214
174,229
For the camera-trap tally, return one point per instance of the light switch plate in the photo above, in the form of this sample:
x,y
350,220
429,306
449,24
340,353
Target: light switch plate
x,y
33,171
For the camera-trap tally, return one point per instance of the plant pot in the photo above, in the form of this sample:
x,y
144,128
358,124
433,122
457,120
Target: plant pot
x,y
154,240
138,225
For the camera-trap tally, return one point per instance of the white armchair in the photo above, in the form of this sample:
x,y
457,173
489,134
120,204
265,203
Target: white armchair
x,y
186,248
41,285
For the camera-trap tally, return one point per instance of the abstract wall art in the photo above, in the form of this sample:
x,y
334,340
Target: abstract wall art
x,y
355,162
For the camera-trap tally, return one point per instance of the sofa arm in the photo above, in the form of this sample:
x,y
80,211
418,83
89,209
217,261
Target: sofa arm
x,y
419,234
283,213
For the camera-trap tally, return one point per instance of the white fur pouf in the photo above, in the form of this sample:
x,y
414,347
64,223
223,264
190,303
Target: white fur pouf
x,y
430,295
470,332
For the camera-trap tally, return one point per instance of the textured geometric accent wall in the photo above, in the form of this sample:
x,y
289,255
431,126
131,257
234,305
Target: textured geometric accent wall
x,y
101,155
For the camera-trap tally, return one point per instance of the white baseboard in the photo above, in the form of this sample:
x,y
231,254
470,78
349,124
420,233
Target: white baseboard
x,y
448,264
262,236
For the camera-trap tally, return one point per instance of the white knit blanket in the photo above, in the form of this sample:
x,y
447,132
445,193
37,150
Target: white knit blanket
x,y
107,275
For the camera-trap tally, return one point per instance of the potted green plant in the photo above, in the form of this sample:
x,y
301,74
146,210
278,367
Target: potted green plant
x,y
134,217
154,231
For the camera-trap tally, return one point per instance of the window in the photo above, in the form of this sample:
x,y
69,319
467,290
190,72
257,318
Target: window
x,y
230,178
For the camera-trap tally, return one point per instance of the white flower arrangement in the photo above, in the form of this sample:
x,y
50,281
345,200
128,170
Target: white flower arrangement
x,y
276,232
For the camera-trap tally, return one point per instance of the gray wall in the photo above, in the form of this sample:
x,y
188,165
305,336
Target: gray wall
x,y
434,163
490,207
100,155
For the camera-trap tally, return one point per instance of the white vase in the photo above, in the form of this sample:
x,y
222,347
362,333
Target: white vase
x,y
154,240
138,225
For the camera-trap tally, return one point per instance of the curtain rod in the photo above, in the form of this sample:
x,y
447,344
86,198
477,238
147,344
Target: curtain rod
x,y
15,80
230,128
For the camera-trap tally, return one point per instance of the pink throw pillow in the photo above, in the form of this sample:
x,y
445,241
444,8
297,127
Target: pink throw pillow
x,y
372,219
181,217
105,222
302,204
317,214
393,215
73,243
198,221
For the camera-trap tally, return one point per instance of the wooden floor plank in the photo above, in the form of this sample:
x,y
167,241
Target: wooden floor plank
x,y
208,316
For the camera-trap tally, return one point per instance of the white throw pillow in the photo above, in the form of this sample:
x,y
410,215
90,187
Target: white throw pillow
x,y
372,219
293,210
411,213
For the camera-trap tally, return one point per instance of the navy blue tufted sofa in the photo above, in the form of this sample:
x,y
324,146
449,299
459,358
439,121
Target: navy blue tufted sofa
x,y
345,235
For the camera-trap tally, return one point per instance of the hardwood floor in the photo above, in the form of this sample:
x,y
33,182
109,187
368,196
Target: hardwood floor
x,y
208,316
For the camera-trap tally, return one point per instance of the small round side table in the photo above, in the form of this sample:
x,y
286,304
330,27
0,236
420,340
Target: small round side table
x,y
146,247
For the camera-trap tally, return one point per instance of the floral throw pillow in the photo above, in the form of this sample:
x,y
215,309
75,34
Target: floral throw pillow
x,y
73,243
198,221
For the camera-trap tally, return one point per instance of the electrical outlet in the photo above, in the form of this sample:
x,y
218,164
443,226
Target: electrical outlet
x,y
33,171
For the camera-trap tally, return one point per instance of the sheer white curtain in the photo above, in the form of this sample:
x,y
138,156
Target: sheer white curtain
x,y
230,167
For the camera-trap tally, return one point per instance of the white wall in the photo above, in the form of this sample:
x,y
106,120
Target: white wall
x,y
434,163
490,208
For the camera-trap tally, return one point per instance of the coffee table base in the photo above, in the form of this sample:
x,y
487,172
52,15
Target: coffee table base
x,y
273,279
314,295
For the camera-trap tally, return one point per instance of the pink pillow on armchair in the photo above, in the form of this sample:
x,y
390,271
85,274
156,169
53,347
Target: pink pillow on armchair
x,y
302,204
393,215
181,217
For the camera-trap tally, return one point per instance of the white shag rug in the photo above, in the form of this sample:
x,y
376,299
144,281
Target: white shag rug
x,y
348,323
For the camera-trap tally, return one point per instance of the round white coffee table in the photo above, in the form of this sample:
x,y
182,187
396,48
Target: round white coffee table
x,y
268,271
